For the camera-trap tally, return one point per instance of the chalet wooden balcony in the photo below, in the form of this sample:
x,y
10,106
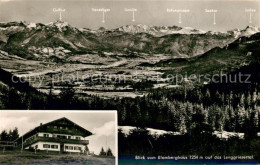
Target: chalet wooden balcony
x,y
61,131
55,140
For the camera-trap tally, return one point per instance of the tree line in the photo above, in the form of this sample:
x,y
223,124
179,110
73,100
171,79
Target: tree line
x,y
108,152
10,135
233,107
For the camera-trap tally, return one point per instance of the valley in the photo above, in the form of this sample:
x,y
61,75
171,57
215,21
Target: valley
x,y
114,63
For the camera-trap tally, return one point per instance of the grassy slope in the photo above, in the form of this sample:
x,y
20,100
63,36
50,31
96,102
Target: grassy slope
x,y
27,157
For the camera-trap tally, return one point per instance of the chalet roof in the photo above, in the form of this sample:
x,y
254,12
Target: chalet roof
x,y
83,131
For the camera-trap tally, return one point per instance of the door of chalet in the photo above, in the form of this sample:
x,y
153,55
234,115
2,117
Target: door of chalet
x,y
61,147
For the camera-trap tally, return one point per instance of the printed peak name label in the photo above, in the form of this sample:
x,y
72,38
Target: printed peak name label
x,y
211,10
178,10
59,10
100,9
250,10
130,9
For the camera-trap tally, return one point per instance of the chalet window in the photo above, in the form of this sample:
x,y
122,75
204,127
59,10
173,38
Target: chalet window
x,y
69,147
45,135
69,137
77,148
46,146
78,138
54,146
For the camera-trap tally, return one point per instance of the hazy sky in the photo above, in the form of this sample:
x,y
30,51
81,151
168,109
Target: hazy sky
x,y
102,124
230,15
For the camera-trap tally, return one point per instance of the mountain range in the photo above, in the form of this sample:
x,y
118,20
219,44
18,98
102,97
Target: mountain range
x,y
54,49
61,40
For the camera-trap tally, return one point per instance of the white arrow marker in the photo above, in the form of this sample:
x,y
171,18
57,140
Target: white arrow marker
x,y
133,16
214,19
179,18
250,11
60,16
133,10
179,11
60,11
103,10
103,20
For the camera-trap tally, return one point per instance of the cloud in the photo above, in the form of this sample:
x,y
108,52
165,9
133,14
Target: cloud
x,y
104,136
107,129
22,123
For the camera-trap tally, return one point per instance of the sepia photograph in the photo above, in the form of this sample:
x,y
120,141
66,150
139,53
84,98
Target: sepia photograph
x,y
58,137
182,75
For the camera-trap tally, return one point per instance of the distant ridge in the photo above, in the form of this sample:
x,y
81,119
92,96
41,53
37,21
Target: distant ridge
x,y
60,39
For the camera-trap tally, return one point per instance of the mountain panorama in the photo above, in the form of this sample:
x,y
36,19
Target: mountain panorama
x,y
138,53
59,39
158,78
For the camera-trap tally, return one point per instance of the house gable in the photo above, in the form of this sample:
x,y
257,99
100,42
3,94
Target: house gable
x,y
64,126
59,126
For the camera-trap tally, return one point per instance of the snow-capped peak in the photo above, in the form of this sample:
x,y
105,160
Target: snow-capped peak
x,y
134,28
158,30
250,30
59,24
31,25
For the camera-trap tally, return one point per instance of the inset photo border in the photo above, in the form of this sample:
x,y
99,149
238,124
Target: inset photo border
x,y
50,136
